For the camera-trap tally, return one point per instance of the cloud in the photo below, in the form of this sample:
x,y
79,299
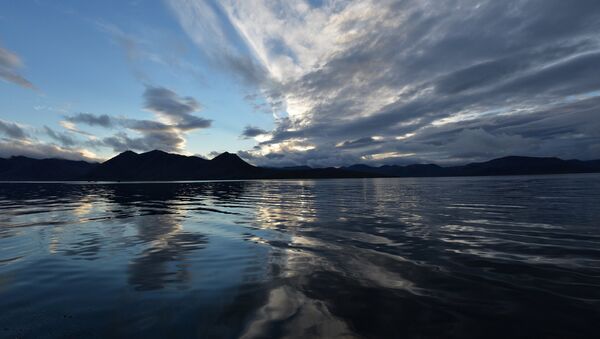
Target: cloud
x,y
9,64
251,132
12,130
152,135
63,138
40,150
167,141
166,102
462,79
18,141
174,118
222,44
173,108
90,119
157,46
358,143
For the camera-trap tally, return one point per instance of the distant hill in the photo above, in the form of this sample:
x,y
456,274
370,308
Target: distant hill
x,y
158,165
511,165
23,168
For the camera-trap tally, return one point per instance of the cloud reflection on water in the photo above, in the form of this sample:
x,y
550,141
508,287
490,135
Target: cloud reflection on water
x,y
334,258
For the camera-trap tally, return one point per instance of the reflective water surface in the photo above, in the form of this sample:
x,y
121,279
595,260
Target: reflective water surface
x,y
376,258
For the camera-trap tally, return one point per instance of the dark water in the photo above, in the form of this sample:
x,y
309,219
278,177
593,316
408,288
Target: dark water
x,y
379,258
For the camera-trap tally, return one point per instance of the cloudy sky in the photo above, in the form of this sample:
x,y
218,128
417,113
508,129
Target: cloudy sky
x,y
306,82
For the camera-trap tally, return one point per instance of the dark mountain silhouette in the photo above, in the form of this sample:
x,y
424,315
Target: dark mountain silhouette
x,y
158,165
523,165
511,165
228,160
23,168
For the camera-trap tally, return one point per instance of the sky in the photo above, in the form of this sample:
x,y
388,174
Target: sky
x,y
305,82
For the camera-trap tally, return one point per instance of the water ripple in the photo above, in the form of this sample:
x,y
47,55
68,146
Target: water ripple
x,y
381,258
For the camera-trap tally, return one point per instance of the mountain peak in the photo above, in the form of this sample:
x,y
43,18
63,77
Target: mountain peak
x,y
226,155
159,165
124,155
156,151
127,153
230,159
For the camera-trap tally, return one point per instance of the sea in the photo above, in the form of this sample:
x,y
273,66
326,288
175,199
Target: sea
x,y
468,257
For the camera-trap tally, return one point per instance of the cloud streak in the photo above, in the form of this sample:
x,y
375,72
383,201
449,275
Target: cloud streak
x,y
63,138
9,65
460,80
12,130
90,119
251,132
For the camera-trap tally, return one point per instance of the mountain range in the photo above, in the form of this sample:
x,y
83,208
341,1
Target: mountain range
x,y
161,166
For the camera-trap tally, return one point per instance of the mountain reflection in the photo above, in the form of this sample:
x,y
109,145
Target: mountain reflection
x,y
163,260
158,220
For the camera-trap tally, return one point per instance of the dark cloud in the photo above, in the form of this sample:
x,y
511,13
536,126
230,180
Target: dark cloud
x,y
9,64
144,125
120,142
358,143
193,122
167,136
12,130
153,134
90,119
167,102
63,138
251,132
164,140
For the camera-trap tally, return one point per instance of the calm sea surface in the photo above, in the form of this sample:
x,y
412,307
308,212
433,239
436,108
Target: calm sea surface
x,y
376,258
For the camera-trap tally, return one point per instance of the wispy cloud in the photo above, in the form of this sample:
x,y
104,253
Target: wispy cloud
x,y
220,42
10,63
63,138
12,130
149,44
439,80
90,119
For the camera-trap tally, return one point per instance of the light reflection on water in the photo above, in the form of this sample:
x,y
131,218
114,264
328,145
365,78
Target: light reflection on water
x,y
451,257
